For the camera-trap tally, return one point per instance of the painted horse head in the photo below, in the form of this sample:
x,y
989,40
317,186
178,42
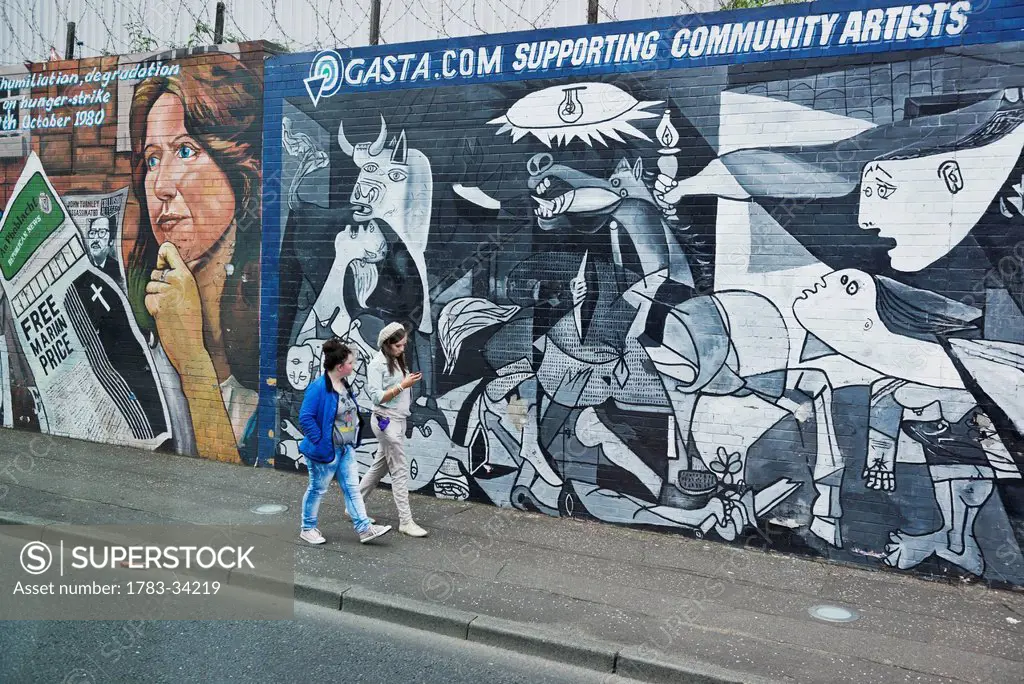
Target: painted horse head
x,y
560,190
568,197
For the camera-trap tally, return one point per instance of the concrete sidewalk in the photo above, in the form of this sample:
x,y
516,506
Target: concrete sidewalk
x,y
718,612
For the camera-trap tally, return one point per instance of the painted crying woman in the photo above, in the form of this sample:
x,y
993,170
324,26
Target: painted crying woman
x,y
924,199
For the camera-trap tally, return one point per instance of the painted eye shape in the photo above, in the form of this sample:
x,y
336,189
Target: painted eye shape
x,y
186,152
885,190
372,167
152,161
844,279
867,191
397,175
853,288
616,182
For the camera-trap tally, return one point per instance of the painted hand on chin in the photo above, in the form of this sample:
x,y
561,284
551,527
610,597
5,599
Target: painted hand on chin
x,y
172,298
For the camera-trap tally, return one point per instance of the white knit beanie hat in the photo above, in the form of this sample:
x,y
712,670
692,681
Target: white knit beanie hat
x,y
389,330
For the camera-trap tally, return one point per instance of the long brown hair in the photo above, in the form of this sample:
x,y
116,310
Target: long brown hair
x,y
395,362
222,101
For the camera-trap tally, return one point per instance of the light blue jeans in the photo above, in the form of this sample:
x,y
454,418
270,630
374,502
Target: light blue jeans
x,y
344,468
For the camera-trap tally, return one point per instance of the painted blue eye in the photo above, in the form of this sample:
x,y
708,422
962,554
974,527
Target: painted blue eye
x,y
186,152
151,162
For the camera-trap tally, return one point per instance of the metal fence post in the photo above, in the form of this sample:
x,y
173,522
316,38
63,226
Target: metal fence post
x,y
374,22
69,46
218,25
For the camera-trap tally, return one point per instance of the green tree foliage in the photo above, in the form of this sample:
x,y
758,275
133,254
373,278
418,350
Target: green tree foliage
x,y
141,40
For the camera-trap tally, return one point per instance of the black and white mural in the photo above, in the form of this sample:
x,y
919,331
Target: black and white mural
x,y
782,303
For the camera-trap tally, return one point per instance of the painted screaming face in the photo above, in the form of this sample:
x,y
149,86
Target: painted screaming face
x,y
190,201
841,311
367,247
560,190
845,311
929,204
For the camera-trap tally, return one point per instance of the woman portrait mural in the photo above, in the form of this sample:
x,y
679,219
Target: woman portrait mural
x,y
193,272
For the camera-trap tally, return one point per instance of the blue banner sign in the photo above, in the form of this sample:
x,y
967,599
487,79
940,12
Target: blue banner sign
x,y
788,32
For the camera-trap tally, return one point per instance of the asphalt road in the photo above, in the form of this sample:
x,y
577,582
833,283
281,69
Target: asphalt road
x,y
319,645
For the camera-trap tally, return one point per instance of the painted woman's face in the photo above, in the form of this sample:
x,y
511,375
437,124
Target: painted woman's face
x,y
929,204
191,203
840,310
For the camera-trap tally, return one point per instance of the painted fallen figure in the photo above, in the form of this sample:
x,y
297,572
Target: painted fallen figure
x,y
913,338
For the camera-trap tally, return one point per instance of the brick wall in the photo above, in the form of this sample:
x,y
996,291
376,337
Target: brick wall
x,y
755,294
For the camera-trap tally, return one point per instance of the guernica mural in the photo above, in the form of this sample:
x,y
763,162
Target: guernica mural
x,y
130,248
781,303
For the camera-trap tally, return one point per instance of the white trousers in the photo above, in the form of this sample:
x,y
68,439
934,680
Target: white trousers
x,y
390,458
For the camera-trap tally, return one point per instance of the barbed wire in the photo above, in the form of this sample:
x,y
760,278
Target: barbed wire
x,y
623,10
33,30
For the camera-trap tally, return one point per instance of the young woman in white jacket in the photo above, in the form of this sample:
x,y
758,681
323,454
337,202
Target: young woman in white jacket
x,y
389,383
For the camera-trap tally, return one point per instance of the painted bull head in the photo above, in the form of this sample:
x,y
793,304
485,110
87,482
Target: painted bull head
x,y
394,185
394,181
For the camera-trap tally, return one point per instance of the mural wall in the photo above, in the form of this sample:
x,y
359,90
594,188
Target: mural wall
x,y
130,249
776,301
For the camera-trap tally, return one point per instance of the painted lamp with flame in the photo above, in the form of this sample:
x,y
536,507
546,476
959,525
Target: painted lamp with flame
x,y
668,164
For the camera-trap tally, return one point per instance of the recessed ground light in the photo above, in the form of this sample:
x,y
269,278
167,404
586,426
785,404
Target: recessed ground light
x,y
833,613
269,509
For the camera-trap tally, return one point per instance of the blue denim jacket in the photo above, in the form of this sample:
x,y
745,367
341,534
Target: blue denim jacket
x,y
316,418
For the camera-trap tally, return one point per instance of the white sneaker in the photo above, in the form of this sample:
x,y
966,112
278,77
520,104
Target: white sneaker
x,y
411,529
372,532
312,536
349,517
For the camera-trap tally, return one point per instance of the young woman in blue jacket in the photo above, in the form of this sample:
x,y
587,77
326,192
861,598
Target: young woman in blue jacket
x,y
329,418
